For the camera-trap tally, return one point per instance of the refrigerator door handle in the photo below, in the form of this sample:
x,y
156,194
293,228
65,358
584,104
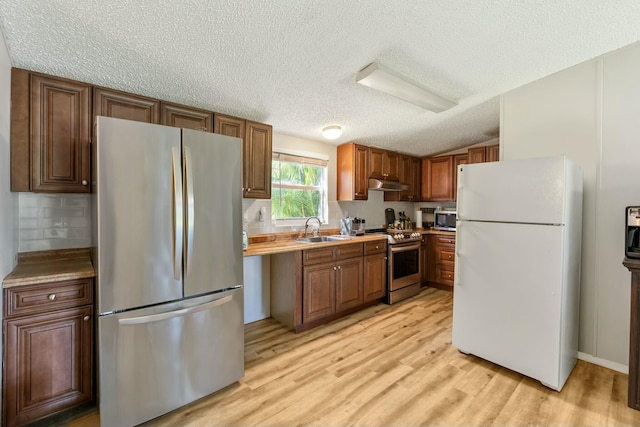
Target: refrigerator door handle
x,y
177,220
456,265
460,184
176,313
189,207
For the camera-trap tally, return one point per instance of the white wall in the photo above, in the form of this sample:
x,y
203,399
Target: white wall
x,y
8,205
589,113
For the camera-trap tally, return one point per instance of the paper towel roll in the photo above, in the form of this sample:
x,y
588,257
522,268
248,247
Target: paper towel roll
x,y
419,219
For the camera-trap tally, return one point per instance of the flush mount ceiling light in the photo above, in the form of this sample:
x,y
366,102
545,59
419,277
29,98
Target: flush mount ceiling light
x,y
380,78
332,132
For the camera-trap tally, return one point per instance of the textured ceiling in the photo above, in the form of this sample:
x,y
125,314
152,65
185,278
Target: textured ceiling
x,y
293,63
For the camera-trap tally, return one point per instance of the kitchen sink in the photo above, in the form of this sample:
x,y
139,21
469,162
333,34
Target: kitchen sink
x,y
319,239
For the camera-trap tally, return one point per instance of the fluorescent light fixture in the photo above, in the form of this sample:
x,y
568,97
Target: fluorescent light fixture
x,y
380,78
332,132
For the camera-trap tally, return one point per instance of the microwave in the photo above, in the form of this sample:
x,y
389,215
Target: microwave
x,y
444,220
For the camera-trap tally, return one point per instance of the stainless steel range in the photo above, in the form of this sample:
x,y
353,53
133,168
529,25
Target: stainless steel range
x,y
403,269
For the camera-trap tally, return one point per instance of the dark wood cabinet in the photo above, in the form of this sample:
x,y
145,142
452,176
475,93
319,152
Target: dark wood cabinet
x,y
458,159
409,174
437,179
349,284
257,161
442,258
375,271
256,153
48,350
383,164
353,172
50,131
318,291
182,116
123,105
477,155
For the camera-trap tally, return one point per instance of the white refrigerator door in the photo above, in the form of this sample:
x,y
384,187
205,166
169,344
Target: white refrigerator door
x,y
137,262
508,294
213,212
528,191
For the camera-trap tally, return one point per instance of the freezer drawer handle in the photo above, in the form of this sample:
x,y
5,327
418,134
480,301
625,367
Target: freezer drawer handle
x,y
171,314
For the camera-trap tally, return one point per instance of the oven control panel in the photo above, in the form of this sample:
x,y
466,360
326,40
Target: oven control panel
x,y
404,236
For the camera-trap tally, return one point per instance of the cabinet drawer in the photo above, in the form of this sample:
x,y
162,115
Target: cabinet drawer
x,y
375,247
46,297
446,265
348,251
317,256
445,240
446,256
445,276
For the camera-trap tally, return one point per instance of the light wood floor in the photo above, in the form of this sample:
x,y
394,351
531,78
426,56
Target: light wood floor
x,y
394,366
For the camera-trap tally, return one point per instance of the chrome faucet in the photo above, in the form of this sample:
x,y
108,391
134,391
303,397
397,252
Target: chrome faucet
x,y
306,225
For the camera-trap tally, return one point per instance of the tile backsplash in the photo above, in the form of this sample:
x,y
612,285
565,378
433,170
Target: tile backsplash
x,y
53,221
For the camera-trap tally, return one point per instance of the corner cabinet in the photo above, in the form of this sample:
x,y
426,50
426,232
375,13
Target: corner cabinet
x,y
48,350
353,172
50,131
256,153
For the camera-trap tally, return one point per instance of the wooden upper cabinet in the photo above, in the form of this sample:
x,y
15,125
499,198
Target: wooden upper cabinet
x,y
492,153
122,105
476,155
383,164
439,179
257,161
181,116
228,125
408,173
256,153
50,131
353,174
458,159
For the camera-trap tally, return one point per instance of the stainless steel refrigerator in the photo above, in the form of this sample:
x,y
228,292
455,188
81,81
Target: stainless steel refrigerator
x,y
517,279
168,234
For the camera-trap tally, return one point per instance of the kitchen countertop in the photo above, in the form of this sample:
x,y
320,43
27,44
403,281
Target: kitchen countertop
x,y
50,266
275,245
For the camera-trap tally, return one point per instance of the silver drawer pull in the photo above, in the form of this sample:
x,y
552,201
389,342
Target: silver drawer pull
x,y
85,318
52,297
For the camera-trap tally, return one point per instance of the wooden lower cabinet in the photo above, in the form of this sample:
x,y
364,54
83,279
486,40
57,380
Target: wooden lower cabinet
x,y
48,352
439,260
315,286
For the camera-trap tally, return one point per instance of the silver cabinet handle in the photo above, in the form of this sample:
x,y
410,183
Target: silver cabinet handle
x,y
176,313
377,247
52,297
339,268
334,268
84,182
189,208
178,219
85,318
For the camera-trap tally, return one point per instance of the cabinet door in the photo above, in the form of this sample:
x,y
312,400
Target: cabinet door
x,y
375,277
404,176
376,163
391,165
318,291
353,174
60,129
424,248
492,153
230,126
415,177
122,105
477,155
430,260
48,364
349,289
257,161
459,159
181,116
439,178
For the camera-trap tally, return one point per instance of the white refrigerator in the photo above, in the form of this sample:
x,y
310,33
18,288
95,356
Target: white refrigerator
x,y
517,278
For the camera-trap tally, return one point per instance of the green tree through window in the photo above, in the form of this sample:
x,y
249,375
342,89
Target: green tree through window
x,y
298,187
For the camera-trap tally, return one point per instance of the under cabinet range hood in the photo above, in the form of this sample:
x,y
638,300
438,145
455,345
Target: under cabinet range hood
x,y
384,185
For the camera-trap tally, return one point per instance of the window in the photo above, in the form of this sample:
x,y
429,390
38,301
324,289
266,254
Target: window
x,y
298,188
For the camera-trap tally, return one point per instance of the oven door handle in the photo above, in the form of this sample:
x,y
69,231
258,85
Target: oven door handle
x,y
403,247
